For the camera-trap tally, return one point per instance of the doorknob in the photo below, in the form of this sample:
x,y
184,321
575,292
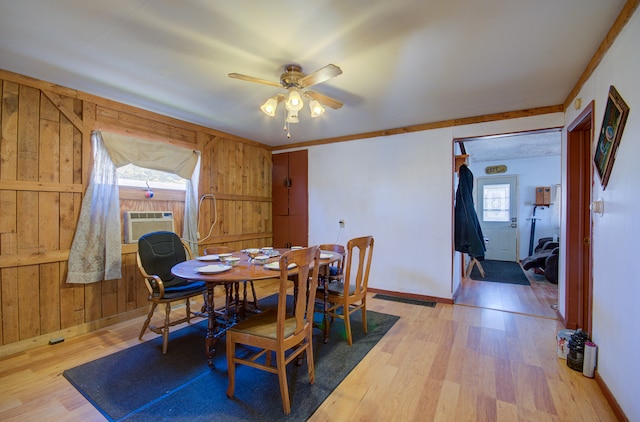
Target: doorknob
x,y
514,225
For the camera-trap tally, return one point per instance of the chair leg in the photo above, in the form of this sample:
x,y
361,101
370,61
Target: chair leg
x,y
188,309
231,351
282,377
347,323
310,364
364,315
165,331
148,320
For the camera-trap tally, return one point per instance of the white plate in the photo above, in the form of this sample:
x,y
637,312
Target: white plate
x,y
213,269
276,266
208,258
325,255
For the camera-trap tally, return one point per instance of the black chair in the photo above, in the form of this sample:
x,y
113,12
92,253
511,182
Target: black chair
x,y
158,252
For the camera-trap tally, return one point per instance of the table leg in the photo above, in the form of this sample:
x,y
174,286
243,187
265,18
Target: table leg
x,y
211,339
325,320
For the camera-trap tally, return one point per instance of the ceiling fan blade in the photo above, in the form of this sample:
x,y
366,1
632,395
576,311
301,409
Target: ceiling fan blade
x,y
320,75
324,100
252,79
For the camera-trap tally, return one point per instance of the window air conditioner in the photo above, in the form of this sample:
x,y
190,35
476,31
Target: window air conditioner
x,y
138,223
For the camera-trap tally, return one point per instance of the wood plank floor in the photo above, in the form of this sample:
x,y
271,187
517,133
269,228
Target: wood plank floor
x,y
448,363
539,299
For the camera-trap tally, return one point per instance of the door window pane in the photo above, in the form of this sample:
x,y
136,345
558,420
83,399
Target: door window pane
x,y
496,203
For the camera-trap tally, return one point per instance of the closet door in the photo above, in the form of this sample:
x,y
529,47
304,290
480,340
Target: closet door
x,y
290,199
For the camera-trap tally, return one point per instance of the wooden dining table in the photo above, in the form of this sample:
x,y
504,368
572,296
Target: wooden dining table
x,y
245,270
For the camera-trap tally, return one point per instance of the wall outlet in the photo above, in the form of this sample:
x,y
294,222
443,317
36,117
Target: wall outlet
x,y
341,222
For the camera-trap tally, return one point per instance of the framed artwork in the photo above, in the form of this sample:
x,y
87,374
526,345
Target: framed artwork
x,y
615,117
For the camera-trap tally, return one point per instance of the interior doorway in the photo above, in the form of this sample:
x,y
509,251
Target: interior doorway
x,y
533,159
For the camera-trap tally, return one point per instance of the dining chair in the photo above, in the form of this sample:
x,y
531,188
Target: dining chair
x,y
157,253
285,331
349,294
334,272
232,291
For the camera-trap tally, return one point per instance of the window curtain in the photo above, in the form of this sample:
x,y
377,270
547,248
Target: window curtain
x,y
96,250
100,229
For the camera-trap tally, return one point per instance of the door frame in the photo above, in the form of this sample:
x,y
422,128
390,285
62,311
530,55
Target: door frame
x,y
578,234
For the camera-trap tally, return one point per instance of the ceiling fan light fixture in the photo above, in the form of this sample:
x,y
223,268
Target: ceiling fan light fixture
x,y
294,102
316,108
292,117
269,106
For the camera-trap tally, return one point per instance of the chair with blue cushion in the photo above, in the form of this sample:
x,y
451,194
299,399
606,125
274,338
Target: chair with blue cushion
x,y
158,252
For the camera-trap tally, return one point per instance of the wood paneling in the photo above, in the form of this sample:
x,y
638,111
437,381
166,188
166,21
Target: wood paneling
x,y
45,159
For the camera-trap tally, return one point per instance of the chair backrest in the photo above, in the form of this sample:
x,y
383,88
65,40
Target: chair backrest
x,y
159,252
213,250
360,248
308,263
339,265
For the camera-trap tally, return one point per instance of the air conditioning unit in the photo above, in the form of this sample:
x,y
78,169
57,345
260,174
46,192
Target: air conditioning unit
x,y
138,223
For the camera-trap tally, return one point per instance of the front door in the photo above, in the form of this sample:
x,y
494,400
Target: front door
x,y
497,211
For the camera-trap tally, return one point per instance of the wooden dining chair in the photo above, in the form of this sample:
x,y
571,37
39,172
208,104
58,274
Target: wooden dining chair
x,y
334,272
346,296
282,329
232,291
157,253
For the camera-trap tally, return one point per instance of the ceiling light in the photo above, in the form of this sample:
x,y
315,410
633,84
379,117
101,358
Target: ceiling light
x,y
294,102
292,117
269,106
316,108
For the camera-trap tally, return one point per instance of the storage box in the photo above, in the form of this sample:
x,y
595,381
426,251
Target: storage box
x,y
543,195
562,342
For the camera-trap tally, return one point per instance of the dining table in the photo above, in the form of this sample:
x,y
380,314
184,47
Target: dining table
x,y
215,273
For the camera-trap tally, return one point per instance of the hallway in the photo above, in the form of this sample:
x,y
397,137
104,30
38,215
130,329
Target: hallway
x,y
539,299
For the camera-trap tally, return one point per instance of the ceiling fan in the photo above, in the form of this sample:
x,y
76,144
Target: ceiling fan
x,y
296,83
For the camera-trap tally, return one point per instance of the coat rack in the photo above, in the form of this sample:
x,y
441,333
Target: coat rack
x,y
460,160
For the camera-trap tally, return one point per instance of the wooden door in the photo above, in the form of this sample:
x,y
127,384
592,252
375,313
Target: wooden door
x,y
578,276
290,199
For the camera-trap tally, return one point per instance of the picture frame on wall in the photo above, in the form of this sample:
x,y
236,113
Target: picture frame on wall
x,y
615,117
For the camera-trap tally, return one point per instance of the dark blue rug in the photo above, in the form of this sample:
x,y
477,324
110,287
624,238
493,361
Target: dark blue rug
x,y
142,384
500,272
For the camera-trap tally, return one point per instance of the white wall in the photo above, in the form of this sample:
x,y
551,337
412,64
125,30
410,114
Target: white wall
x,y
400,189
531,172
616,273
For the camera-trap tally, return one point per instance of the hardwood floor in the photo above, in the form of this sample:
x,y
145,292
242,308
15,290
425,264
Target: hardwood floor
x,y
539,299
448,363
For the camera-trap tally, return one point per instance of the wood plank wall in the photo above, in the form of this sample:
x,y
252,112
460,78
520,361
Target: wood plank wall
x,y
45,159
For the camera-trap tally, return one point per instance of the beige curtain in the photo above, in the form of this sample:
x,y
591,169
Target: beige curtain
x,y
96,249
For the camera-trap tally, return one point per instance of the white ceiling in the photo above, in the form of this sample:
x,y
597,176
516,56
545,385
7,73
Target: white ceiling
x,y
405,62
513,147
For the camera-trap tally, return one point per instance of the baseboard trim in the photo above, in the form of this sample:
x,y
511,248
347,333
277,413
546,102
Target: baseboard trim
x,y
411,296
617,410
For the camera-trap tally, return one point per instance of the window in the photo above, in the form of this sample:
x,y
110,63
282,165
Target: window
x,y
495,207
133,176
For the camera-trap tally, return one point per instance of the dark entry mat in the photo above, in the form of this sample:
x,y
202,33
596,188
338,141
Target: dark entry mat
x,y
406,300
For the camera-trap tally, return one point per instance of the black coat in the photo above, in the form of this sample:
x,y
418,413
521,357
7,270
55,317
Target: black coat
x,y
468,233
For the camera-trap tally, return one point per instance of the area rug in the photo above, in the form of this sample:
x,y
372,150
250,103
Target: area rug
x,y
142,384
501,272
405,300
